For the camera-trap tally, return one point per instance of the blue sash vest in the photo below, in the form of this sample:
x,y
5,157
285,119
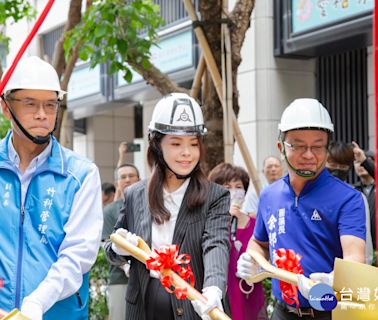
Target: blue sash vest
x,y
31,235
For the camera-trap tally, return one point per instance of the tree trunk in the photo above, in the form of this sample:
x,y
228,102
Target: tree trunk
x,y
211,13
73,18
64,69
239,22
158,80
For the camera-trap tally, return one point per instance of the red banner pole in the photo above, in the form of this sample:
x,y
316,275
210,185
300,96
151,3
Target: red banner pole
x,y
25,45
375,45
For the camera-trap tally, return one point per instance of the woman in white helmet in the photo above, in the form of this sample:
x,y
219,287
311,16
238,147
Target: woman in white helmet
x,y
309,211
177,205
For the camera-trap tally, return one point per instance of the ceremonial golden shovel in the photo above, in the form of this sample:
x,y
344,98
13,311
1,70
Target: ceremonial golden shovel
x,y
142,252
344,271
13,315
265,270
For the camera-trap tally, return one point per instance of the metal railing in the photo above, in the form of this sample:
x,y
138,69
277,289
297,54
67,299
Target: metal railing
x,y
341,85
173,11
49,41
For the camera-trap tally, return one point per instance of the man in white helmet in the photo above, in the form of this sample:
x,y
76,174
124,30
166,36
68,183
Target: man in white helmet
x,y
309,210
51,213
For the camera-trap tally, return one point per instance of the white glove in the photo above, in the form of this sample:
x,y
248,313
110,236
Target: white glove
x,y
214,299
32,309
126,268
326,278
304,285
246,267
130,237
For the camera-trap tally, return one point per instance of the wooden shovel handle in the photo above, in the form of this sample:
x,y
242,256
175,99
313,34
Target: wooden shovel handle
x,y
269,271
15,314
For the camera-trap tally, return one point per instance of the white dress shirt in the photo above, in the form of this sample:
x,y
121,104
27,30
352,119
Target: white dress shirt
x,y
25,177
163,233
251,202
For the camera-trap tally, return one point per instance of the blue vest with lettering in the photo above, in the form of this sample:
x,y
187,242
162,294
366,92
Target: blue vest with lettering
x,y
30,237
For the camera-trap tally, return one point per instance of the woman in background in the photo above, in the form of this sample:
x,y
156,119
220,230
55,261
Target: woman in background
x,y
246,302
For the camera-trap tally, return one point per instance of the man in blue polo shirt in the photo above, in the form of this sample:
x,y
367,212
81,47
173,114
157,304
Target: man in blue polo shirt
x,y
309,211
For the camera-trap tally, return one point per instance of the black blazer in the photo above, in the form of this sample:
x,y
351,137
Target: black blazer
x,y
203,233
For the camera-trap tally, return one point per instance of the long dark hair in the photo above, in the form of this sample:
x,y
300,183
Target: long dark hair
x,y
197,189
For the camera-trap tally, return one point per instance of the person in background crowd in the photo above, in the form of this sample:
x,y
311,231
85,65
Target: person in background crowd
x,y
308,211
128,177
340,159
108,193
51,232
339,163
176,205
272,170
125,175
366,162
122,151
367,183
246,302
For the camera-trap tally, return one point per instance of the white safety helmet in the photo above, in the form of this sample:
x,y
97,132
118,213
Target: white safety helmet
x,y
178,114
305,113
34,73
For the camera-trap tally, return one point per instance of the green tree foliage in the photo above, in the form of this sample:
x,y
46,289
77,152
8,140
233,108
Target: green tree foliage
x,y
99,274
4,126
116,31
12,11
270,300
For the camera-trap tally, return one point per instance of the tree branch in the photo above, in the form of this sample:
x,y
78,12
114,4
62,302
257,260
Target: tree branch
x,y
74,17
70,67
59,62
240,17
158,79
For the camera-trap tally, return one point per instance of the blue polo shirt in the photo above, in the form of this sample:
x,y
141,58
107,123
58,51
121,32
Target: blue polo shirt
x,y
310,224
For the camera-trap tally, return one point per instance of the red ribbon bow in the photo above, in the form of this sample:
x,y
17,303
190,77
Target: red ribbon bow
x,y
288,260
167,257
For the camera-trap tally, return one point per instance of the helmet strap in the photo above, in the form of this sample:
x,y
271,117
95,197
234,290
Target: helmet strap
x,y
37,140
179,176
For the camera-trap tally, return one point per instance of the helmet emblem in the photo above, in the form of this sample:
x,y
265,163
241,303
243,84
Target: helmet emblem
x,y
184,116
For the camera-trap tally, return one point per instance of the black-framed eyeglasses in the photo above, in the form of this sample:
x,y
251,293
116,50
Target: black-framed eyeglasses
x,y
33,105
300,149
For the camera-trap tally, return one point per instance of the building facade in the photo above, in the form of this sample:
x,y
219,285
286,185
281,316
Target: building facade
x,y
308,48
294,49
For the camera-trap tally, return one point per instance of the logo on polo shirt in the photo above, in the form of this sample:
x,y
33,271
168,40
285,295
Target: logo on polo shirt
x,y
316,216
